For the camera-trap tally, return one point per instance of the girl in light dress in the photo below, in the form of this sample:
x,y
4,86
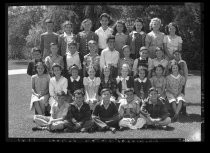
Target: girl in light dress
x,y
40,89
155,37
174,85
121,38
91,85
172,41
58,84
158,81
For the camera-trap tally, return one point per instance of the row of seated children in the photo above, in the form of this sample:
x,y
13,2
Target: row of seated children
x,y
131,114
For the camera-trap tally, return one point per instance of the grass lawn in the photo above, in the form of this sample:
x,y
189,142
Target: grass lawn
x,y
20,117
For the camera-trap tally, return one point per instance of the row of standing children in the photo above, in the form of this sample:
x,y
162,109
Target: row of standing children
x,y
108,61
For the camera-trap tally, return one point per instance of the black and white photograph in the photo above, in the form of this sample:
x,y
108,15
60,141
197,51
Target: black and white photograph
x,y
88,72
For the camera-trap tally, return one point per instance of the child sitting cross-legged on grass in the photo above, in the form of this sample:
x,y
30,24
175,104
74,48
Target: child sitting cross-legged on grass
x,y
129,110
54,122
156,113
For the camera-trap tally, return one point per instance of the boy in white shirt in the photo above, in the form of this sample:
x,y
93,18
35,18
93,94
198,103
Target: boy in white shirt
x,y
110,57
103,32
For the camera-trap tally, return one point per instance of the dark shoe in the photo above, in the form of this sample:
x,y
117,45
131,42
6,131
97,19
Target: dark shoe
x,y
175,118
123,128
37,128
68,130
113,130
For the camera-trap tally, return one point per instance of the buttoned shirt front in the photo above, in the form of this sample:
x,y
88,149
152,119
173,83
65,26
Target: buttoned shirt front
x,y
108,57
102,36
73,59
58,86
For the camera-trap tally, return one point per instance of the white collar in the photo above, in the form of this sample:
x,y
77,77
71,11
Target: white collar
x,y
65,35
121,78
72,79
69,53
103,29
175,77
142,58
102,103
138,32
58,80
145,79
78,106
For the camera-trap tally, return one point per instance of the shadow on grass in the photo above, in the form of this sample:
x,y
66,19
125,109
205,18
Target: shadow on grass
x,y
189,119
193,104
21,62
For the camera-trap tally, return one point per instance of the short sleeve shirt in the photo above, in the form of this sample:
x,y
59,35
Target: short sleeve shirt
x,y
172,43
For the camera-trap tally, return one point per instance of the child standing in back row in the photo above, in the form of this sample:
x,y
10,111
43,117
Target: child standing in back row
x,y
47,38
121,38
85,36
103,32
136,38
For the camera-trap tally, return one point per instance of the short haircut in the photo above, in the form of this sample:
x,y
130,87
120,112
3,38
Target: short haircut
x,y
152,89
143,48
139,20
78,92
175,63
158,49
174,25
73,42
83,22
91,67
53,44
104,90
56,65
110,37
48,21
159,65
92,42
73,67
66,23
143,68
129,90
35,49
105,15
125,46
44,65
153,20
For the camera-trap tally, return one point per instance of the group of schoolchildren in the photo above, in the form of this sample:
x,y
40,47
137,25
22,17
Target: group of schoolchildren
x,y
108,79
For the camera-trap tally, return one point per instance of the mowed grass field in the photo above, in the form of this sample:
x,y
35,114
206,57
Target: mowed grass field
x,y
20,117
